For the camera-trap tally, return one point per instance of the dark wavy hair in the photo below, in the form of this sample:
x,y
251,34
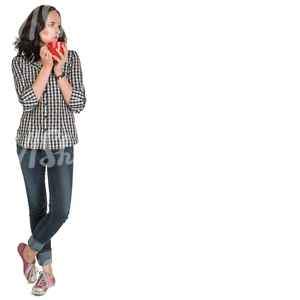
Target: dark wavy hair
x,y
28,42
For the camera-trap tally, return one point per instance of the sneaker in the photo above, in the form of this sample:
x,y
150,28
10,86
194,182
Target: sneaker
x,y
29,268
43,284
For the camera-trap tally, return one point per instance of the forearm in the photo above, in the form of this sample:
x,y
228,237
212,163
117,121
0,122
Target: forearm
x,y
65,88
40,82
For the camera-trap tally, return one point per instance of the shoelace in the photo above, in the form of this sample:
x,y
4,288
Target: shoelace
x,y
31,270
42,281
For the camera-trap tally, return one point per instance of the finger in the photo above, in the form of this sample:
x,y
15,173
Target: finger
x,y
56,58
65,50
44,51
47,53
44,48
59,53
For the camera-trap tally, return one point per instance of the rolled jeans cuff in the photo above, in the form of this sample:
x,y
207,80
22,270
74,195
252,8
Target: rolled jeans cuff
x,y
44,258
35,245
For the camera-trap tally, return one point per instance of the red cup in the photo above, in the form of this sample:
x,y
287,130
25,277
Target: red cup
x,y
52,46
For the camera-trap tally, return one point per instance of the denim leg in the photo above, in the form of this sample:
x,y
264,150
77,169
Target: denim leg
x,y
60,179
34,178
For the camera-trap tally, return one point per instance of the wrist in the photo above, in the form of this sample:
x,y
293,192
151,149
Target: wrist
x,y
58,72
47,69
60,76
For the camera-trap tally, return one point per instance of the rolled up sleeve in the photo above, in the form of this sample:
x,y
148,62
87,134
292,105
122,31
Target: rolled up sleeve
x,y
24,89
78,99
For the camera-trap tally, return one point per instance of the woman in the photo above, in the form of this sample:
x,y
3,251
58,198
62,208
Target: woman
x,y
50,90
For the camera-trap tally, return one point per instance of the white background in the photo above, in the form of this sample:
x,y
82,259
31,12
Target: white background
x,y
186,175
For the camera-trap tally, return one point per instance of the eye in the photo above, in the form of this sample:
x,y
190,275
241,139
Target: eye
x,y
50,25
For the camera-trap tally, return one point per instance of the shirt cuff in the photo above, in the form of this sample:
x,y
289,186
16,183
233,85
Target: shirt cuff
x,y
28,99
77,101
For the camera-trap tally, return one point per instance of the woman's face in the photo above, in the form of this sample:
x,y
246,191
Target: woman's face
x,y
51,31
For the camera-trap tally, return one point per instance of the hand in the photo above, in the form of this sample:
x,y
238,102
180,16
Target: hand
x,y
46,57
59,63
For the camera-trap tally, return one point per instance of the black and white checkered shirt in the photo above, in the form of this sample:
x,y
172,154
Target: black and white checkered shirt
x,y
48,123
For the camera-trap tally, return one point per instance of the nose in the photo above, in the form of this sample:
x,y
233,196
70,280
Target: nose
x,y
57,31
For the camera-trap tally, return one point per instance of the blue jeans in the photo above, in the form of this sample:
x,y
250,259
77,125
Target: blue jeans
x,y
59,165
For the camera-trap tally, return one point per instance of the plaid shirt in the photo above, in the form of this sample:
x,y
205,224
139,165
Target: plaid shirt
x,y
48,123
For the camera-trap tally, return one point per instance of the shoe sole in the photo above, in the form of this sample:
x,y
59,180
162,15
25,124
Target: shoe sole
x,y
42,293
23,265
